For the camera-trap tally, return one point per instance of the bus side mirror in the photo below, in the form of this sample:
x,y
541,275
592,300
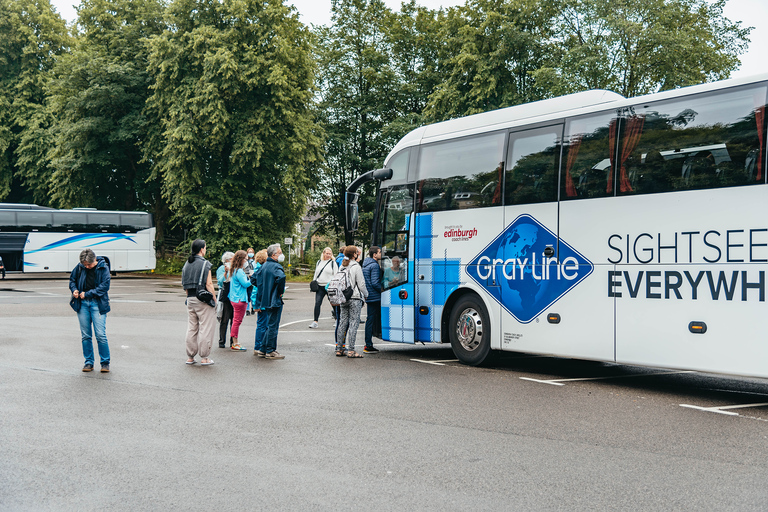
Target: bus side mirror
x,y
382,174
353,217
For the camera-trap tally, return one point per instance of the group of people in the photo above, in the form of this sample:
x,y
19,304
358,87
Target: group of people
x,y
364,277
249,282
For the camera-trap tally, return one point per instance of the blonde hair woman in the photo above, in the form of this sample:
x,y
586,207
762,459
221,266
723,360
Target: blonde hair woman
x,y
325,269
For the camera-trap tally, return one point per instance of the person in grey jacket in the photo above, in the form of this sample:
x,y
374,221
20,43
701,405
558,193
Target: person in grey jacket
x,y
349,319
201,316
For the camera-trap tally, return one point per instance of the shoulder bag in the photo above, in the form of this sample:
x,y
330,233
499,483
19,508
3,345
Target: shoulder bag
x,y
313,286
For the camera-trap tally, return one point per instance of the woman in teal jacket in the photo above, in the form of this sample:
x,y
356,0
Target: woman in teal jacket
x,y
238,295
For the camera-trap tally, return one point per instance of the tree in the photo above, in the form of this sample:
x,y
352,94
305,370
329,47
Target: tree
x,y
491,48
33,35
97,99
233,139
358,90
637,48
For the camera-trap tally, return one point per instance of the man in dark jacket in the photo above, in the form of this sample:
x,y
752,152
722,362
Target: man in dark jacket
x,y
271,285
372,275
89,284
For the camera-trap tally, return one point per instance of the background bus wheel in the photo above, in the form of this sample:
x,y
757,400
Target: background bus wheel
x,y
469,330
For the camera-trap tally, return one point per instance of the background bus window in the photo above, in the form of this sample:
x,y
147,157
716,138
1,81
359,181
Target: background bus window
x,y
8,221
532,163
104,221
69,221
397,205
132,222
701,142
460,174
34,220
588,167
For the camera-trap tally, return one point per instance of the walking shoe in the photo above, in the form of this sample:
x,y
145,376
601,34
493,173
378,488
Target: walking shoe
x,y
88,368
370,350
313,325
247,313
258,353
274,355
105,368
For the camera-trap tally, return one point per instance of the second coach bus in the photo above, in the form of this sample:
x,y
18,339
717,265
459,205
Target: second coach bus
x,y
38,239
589,226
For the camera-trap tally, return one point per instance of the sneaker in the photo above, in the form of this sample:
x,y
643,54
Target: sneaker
x,y
258,353
105,368
313,325
247,313
88,368
370,350
274,355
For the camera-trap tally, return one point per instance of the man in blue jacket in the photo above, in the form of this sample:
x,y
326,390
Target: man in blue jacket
x,y
372,276
89,284
271,285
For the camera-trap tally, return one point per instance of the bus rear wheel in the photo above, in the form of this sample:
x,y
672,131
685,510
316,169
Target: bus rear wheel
x,y
469,331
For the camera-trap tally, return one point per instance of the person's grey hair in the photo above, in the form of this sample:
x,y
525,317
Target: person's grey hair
x,y
227,256
272,249
87,256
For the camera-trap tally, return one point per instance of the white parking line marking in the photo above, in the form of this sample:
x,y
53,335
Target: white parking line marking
x,y
558,382
428,362
723,409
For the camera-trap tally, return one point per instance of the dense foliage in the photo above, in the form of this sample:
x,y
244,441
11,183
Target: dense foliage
x,y
228,118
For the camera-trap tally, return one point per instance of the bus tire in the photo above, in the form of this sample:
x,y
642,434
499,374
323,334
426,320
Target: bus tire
x,y
469,330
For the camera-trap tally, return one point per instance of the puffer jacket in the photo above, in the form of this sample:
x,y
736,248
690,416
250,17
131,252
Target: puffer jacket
x,y
372,275
100,294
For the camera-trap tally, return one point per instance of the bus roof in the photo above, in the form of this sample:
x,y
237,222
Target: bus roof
x,y
544,110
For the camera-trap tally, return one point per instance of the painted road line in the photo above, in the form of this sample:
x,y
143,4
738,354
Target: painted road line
x,y
559,382
723,409
428,362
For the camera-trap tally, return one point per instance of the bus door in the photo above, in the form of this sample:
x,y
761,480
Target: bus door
x,y
528,249
395,219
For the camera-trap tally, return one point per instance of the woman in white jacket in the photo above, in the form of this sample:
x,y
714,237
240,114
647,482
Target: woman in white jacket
x,y
325,269
349,319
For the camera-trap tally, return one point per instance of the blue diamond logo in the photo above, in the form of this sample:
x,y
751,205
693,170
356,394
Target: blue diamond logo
x,y
515,272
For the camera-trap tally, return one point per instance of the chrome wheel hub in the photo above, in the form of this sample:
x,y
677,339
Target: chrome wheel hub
x,y
469,329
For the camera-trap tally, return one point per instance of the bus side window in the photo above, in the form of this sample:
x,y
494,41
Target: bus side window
x,y
700,142
532,163
461,174
587,168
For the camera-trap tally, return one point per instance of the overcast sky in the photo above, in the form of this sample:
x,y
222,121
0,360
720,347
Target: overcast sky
x,y
750,12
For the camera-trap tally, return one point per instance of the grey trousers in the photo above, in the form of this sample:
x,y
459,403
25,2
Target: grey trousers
x,y
201,328
349,320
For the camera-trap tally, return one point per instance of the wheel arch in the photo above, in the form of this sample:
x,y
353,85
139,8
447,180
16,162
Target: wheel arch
x,y
448,307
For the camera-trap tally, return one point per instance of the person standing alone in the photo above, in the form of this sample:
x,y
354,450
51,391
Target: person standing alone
x,y
89,283
372,275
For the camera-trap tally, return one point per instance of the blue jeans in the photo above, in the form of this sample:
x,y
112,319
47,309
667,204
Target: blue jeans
x,y
273,323
89,314
372,322
261,330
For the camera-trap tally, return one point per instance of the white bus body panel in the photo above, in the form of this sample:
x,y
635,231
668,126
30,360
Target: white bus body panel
x,y
60,252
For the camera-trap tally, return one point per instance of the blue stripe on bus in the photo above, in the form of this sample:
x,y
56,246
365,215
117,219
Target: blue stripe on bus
x,y
112,237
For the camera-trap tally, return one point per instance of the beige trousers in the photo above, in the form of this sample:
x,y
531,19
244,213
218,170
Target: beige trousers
x,y
201,328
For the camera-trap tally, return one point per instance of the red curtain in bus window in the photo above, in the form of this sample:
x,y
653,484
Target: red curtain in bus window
x,y
612,127
573,150
634,128
496,201
759,117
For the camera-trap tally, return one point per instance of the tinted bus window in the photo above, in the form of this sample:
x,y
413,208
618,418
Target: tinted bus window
x,y
34,220
705,141
134,221
589,148
69,221
460,174
7,221
532,163
104,221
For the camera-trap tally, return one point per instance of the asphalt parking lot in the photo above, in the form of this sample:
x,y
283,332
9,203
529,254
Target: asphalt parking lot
x,y
409,427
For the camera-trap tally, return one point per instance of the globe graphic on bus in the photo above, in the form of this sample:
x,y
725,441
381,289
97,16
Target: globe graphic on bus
x,y
524,284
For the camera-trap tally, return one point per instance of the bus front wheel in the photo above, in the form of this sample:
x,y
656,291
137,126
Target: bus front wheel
x,y
470,331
